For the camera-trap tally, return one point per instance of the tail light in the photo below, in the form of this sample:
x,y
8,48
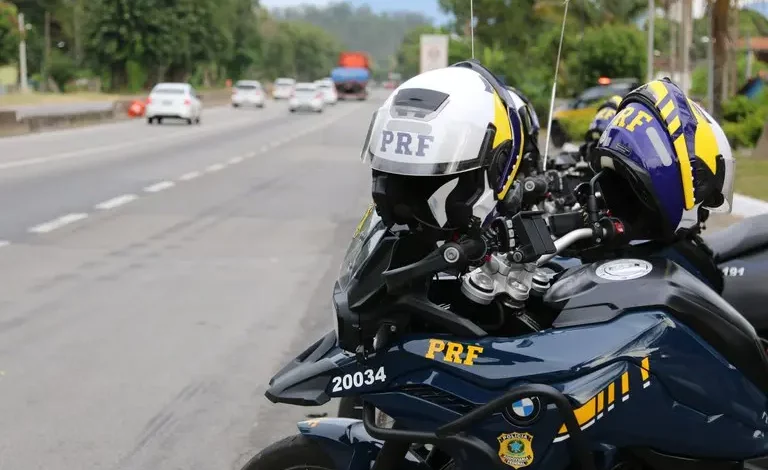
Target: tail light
x,y
187,102
319,96
149,100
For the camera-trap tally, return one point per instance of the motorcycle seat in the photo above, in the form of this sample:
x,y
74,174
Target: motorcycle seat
x,y
739,239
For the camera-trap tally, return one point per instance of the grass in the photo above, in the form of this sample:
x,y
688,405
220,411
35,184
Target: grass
x,y
751,175
34,98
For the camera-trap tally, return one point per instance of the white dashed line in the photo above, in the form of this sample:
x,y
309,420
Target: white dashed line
x,y
251,155
189,176
216,167
116,201
157,187
57,223
235,160
4,243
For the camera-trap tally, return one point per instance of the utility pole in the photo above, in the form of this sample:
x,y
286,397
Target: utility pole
x,y
673,38
685,44
720,33
651,21
47,57
733,56
710,64
23,55
748,71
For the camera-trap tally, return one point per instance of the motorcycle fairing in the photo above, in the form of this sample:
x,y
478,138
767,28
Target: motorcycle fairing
x,y
349,445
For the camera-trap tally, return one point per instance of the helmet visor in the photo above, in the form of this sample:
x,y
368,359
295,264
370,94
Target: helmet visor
x,y
428,137
727,205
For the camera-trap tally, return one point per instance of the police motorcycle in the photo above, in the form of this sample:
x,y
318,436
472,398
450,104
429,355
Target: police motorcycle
x,y
628,363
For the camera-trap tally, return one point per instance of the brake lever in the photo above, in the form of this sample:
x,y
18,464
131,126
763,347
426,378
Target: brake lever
x,y
450,255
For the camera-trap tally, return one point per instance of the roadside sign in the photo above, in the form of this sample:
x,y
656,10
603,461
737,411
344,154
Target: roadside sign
x,y
434,51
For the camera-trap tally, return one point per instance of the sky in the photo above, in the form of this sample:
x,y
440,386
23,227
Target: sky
x,y
427,7
431,9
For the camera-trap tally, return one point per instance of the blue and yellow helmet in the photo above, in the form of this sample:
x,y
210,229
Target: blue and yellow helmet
x,y
603,117
673,155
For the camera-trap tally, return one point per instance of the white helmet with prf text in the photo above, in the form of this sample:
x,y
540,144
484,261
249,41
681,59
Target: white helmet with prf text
x,y
444,148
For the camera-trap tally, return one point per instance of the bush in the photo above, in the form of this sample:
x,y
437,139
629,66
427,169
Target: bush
x,y
62,68
575,127
744,119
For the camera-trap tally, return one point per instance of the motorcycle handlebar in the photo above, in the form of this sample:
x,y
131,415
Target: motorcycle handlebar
x,y
451,255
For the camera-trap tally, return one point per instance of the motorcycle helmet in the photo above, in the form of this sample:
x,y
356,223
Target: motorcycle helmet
x,y
444,148
531,127
672,155
603,117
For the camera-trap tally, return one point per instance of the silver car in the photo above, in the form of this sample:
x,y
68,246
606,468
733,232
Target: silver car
x,y
307,96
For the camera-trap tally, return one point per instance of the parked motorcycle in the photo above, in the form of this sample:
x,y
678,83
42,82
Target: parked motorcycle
x,y
612,364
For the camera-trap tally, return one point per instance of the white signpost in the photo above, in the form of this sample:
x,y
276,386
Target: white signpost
x,y
434,52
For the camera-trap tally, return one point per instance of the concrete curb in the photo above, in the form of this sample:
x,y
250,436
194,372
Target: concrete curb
x,y
745,206
11,123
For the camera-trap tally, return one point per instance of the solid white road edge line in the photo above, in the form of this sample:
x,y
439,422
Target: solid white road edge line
x,y
189,176
116,201
58,223
157,187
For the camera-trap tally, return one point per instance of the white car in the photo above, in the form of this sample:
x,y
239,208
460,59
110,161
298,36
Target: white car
x,y
328,89
307,96
283,88
248,93
174,101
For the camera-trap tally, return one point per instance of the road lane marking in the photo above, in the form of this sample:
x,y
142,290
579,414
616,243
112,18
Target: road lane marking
x,y
264,148
4,243
251,155
157,187
215,167
189,176
116,201
235,160
58,223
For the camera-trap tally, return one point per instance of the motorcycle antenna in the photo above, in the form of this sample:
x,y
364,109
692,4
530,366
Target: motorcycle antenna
x,y
554,88
472,25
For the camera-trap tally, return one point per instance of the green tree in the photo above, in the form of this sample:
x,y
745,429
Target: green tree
x,y
611,50
9,33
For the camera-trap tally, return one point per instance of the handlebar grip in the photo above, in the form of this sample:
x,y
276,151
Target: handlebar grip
x,y
449,256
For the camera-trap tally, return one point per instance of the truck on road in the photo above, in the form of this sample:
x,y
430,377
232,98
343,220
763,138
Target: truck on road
x,y
352,75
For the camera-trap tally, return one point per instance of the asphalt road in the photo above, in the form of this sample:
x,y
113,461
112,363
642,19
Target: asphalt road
x,y
152,279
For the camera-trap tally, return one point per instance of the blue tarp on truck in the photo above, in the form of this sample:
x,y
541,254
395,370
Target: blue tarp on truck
x,y
347,74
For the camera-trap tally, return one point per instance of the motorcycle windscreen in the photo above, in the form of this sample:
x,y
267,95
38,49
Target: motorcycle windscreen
x,y
367,257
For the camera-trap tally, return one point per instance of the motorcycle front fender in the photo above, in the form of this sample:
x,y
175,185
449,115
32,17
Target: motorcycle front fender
x,y
304,381
348,444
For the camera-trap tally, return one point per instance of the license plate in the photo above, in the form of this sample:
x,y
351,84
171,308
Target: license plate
x,y
167,103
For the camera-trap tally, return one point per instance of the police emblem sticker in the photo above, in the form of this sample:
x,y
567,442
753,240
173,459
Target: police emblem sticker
x,y
623,269
516,449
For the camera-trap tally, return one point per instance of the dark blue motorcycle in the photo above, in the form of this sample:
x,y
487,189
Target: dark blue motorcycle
x,y
628,363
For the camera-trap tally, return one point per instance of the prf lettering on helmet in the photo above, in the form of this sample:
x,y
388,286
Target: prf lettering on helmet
x,y
605,113
638,118
453,352
403,142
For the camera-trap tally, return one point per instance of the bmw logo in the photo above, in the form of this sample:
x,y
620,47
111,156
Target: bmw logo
x,y
523,412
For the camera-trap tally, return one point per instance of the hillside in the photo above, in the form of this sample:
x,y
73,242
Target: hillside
x,y
359,28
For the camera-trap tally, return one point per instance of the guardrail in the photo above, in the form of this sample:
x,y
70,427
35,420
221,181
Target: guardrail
x,y
16,123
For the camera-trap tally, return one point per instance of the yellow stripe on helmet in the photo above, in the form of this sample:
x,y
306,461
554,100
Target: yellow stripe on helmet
x,y
685,171
659,90
503,134
705,141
